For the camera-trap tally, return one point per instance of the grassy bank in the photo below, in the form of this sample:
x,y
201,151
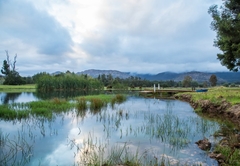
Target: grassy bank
x,y
18,88
224,103
216,95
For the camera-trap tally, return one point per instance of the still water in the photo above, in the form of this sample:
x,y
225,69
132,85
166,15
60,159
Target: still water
x,y
152,129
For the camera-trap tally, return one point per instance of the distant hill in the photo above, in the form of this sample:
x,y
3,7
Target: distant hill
x,y
196,76
160,76
222,77
57,72
229,76
95,73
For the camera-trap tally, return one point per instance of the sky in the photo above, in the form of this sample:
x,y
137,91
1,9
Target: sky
x,y
137,36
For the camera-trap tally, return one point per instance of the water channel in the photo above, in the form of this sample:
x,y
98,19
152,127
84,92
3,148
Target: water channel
x,y
150,129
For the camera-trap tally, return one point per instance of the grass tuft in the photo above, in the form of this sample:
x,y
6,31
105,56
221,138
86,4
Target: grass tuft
x,y
119,98
96,104
81,104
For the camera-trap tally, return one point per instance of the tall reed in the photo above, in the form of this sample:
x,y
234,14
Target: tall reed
x,y
96,105
118,98
97,153
81,103
14,151
67,82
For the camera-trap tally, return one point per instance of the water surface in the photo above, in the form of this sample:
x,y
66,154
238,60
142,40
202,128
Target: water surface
x,y
153,128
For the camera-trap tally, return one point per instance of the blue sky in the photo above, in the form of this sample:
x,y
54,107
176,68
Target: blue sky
x,y
139,36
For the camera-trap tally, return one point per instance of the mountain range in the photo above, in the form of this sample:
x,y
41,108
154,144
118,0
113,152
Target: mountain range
x,y
230,77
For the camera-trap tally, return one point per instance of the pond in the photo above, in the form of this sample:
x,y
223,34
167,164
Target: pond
x,y
142,128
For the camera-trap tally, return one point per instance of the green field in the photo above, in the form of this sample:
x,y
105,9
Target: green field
x,y
18,88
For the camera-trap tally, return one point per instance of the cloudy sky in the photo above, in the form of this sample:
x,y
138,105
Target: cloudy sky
x,y
140,36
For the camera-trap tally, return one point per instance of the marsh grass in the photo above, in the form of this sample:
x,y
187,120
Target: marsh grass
x,y
46,108
103,97
96,105
55,105
6,113
11,114
81,104
96,153
97,102
168,128
119,98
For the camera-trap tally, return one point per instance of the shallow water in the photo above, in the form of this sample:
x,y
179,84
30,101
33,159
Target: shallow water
x,y
152,128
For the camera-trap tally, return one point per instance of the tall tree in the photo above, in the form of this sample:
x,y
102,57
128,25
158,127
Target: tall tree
x,y
226,23
187,81
213,80
12,77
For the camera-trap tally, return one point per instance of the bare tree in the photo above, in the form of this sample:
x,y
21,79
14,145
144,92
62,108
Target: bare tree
x,y
13,65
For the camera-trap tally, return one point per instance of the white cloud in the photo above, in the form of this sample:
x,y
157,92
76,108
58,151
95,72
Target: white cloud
x,y
128,35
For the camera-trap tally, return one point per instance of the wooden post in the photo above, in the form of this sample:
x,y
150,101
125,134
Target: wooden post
x,y
158,86
154,88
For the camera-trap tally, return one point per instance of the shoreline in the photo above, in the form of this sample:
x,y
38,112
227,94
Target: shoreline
x,y
224,111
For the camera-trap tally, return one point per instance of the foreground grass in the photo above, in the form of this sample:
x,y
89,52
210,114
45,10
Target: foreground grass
x,y
18,88
232,155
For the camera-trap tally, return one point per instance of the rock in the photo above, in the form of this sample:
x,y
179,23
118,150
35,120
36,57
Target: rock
x,y
204,144
219,157
212,155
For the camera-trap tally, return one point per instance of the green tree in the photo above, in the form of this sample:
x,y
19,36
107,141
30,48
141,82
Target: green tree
x,y
13,78
213,80
205,84
194,84
226,23
187,81
6,68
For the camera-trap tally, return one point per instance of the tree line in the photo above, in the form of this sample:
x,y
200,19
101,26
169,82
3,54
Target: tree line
x,y
68,80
